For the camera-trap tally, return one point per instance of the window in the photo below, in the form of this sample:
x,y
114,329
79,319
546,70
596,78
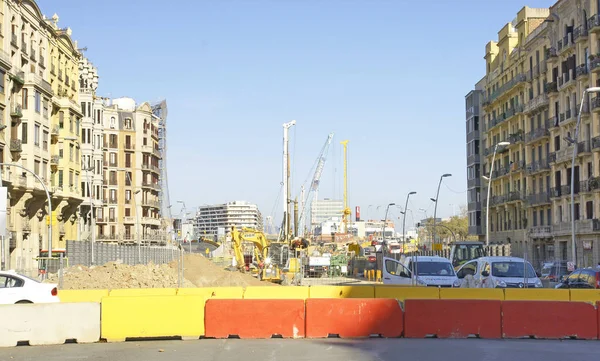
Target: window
x,y
396,269
128,213
61,119
83,108
36,167
24,98
38,102
70,178
113,159
127,123
45,140
128,179
112,122
127,196
2,76
77,122
45,110
36,135
24,133
127,160
70,122
60,178
44,169
71,152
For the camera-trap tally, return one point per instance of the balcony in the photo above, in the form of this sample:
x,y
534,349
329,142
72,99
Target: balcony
x,y
497,200
551,87
537,166
18,77
54,160
129,146
16,111
580,33
538,134
581,71
594,63
515,196
540,232
589,185
471,159
16,146
582,226
566,43
551,54
515,138
129,219
564,154
593,23
538,199
536,103
584,147
519,78
475,182
40,82
567,79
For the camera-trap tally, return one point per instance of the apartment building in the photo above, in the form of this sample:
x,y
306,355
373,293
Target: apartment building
x,y
535,77
92,134
209,218
131,205
473,125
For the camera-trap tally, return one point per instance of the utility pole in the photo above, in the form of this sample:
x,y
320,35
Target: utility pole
x,y
346,212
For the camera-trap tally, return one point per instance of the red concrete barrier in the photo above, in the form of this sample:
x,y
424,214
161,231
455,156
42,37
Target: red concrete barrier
x,y
452,318
254,318
353,317
549,319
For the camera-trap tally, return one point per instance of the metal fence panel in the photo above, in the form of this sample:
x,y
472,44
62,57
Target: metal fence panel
x,y
79,253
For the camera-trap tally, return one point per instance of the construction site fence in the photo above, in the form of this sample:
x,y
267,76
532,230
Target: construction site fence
x,y
80,253
492,250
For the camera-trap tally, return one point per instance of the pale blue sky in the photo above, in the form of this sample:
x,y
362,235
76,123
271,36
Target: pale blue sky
x,y
390,76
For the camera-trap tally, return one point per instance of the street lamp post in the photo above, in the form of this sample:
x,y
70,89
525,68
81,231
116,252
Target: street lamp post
x,y
437,195
574,141
404,221
489,194
384,222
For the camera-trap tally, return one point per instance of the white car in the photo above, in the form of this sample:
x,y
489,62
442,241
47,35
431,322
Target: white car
x,y
16,288
498,272
433,271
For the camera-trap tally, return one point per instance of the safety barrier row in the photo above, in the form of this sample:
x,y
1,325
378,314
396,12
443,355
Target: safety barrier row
x,y
121,318
305,292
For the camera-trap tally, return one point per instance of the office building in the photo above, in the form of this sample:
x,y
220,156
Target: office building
x,y
474,209
210,218
324,210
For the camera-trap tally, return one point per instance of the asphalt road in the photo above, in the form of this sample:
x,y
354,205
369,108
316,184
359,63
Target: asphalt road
x,y
327,349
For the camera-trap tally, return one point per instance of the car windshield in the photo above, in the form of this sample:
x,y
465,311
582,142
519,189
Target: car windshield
x,y
512,269
435,269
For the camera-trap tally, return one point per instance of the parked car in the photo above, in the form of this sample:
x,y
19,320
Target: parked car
x,y
433,271
499,272
582,278
554,273
16,288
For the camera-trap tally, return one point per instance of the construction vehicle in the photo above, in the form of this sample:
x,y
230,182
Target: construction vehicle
x,y
262,266
462,252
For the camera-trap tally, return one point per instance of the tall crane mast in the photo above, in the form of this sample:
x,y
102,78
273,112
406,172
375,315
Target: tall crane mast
x,y
346,212
286,180
314,186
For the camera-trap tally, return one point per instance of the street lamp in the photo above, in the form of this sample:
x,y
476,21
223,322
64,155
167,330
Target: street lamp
x,y
437,195
487,207
574,142
384,222
404,221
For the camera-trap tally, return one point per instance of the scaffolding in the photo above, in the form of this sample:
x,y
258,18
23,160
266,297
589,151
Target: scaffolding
x,y
159,110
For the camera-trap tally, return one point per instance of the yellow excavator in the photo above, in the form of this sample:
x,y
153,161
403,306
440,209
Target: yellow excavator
x,y
267,269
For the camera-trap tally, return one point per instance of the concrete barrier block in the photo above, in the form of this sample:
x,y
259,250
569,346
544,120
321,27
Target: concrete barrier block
x,y
405,293
277,293
126,317
69,296
472,294
131,292
49,324
536,294
589,296
341,291
233,293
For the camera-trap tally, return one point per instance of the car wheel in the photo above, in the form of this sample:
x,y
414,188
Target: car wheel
x,y
23,301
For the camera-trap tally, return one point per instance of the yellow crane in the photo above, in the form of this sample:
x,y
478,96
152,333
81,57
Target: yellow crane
x,y
346,212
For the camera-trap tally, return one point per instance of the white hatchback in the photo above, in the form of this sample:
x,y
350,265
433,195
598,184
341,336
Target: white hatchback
x,y
16,288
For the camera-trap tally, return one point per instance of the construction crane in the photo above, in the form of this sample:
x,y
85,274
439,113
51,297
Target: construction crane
x,y
346,212
314,187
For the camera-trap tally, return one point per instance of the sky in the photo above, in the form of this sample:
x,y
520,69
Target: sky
x,y
390,76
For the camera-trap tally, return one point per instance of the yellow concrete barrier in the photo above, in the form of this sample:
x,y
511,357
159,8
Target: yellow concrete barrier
x,y
151,316
281,293
471,294
214,292
82,295
535,294
402,293
590,296
143,292
341,292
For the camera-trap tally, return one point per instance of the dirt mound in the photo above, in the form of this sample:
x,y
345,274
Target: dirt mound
x,y
202,272
198,272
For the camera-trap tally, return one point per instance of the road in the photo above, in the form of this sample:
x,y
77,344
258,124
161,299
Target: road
x,y
326,349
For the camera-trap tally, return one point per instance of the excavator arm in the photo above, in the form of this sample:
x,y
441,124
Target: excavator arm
x,y
249,235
